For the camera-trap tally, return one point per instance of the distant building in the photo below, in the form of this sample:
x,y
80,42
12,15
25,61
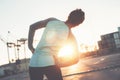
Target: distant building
x,y
110,42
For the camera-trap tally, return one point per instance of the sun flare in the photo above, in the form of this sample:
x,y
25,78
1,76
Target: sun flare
x,y
66,51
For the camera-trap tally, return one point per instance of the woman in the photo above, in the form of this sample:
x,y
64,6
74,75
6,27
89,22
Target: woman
x,y
55,34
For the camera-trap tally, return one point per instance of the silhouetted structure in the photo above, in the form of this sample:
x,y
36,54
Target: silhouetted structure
x,y
110,43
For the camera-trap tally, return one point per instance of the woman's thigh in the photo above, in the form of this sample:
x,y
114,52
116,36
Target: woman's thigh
x,y
35,73
53,73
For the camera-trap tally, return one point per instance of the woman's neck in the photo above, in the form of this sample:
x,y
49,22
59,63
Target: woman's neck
x,y
68,24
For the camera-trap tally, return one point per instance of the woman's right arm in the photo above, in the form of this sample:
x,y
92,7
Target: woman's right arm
x,y
32,30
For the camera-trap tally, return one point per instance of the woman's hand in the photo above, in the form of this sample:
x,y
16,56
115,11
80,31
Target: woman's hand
x,y
32,50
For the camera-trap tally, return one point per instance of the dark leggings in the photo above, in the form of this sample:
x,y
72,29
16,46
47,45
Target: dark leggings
x,y
52,73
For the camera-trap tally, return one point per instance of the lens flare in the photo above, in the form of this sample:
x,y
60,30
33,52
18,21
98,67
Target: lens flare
x,y
66,51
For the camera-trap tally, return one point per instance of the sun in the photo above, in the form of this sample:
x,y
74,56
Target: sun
x,y
67,50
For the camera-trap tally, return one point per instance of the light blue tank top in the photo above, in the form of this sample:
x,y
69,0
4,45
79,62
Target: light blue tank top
x,y
54,35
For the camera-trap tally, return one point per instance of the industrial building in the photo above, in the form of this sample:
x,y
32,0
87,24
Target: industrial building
x,y
110,43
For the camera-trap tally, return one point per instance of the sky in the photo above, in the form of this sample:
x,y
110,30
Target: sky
x,y
101,17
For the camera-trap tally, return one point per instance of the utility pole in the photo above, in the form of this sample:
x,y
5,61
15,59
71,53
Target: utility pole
x,y
9,45
23,40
